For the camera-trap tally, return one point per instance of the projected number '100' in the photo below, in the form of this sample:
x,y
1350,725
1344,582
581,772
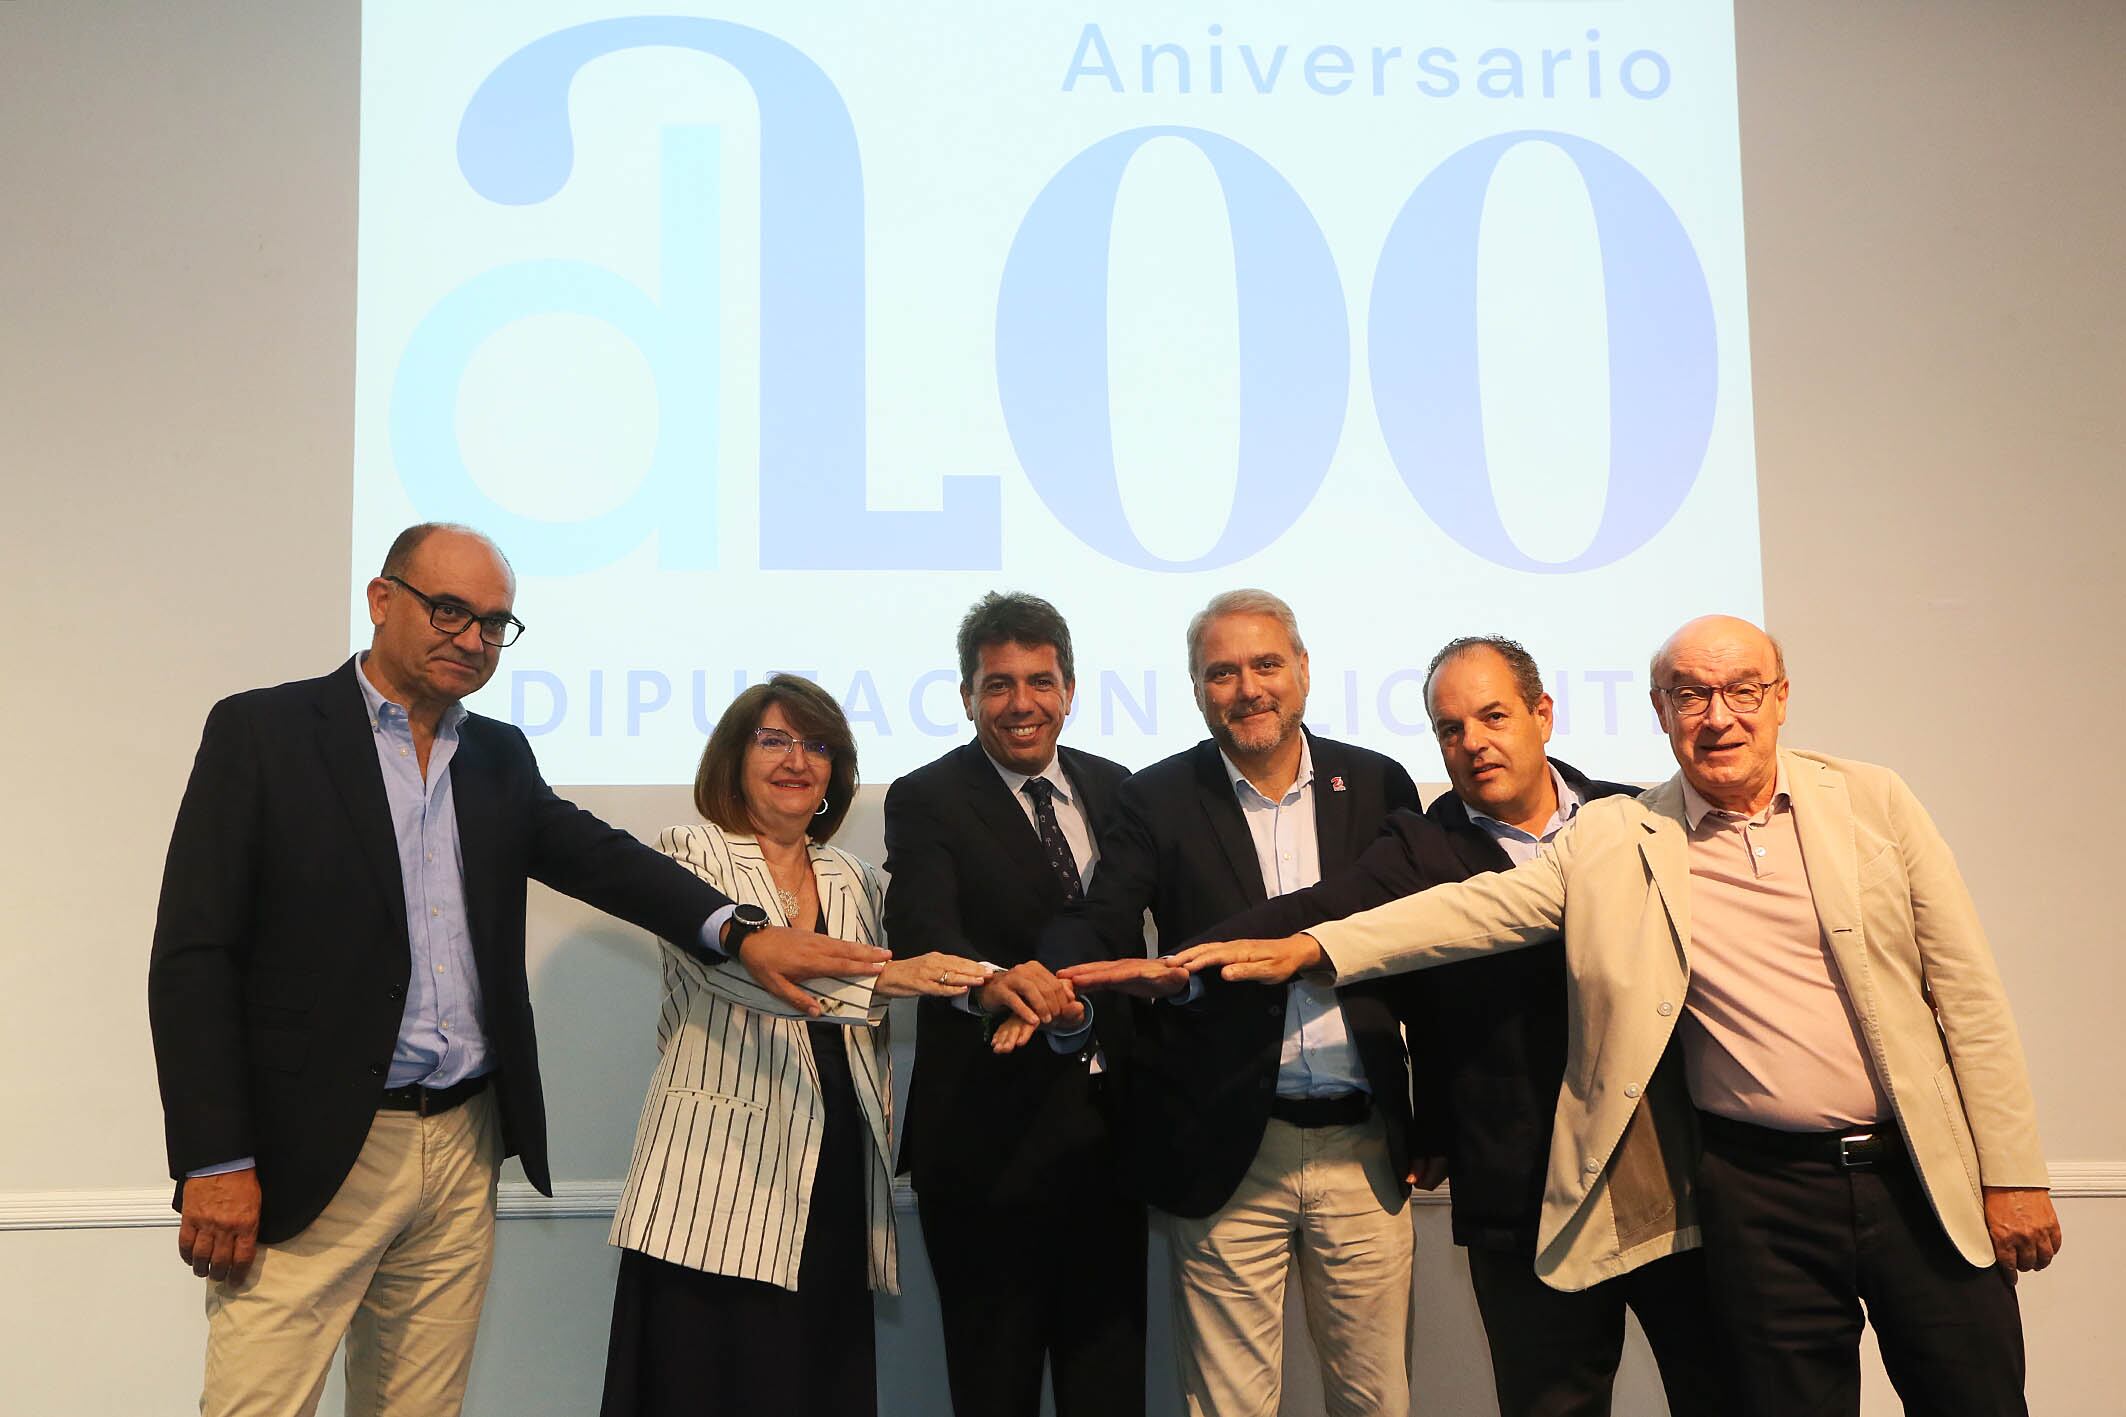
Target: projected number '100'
x,y
515,147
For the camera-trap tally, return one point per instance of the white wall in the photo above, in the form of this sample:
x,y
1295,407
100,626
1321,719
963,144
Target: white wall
x,y
1936,196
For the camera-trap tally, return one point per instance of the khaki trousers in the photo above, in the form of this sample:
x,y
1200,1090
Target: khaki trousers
x,y
1328,1197
397,1264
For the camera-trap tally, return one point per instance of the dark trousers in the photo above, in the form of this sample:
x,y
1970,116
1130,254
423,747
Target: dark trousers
x,y
1017,1286
685,1343
1555,1354
1796,1249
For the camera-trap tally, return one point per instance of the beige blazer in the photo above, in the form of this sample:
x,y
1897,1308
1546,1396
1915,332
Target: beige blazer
x,y
726,1150
1616,883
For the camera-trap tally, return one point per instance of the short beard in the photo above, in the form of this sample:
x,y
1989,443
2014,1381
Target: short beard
x,y
1287,722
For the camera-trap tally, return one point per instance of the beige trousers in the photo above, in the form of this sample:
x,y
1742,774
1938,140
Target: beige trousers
x,y
1327,1197
397,1264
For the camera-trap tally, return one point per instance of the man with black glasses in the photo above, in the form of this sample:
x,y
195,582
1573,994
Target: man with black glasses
x,y
341,1016
1772,959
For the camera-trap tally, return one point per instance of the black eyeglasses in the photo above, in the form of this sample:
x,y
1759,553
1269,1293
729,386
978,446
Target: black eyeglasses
x,y
776,743
451,618
1691,700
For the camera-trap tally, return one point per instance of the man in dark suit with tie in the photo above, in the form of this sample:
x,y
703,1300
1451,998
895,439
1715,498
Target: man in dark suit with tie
x,y
1037,1248
1265,1126
1487,1050
337,991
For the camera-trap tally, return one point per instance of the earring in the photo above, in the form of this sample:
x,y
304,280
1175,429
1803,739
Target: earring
x,y
821,809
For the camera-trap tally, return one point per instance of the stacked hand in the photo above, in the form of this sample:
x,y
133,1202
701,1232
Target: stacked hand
x,y
1034,999
781,959
1137,977
1262,961
939,975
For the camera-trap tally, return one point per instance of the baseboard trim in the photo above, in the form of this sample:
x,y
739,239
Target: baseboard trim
x,y
149,1208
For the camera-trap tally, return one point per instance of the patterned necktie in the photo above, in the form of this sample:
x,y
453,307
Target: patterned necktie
x,y
1043,793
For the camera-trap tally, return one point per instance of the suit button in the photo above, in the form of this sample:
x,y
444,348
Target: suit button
x,y
376,1070
398,991
1631,1089
1592,1166
1275,1010
1664,1008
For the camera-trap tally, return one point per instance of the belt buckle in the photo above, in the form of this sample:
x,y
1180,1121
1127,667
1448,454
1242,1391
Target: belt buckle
x,y
1847,1142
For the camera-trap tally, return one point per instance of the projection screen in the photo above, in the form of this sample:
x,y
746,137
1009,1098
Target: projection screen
x,y
770,337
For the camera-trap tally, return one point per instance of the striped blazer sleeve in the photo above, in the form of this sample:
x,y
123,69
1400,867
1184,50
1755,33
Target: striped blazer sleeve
x,y
728,1141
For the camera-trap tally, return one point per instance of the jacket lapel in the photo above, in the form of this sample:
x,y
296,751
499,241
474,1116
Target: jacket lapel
x,y
1093,797
1666,850
1823,820
1005,821
1474,847
1214,793
1332,809
475,802
347,743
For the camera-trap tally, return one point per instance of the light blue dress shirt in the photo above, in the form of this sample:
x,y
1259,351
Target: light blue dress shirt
x,y
1317,1057
440,1038
440,1041
1520,847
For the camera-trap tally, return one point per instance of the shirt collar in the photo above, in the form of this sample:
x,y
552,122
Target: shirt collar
x,y
1053,775
383,710
1246,789
1696,809
1568,808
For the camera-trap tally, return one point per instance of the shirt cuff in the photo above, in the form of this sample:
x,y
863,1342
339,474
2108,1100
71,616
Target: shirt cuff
x,y
967,1003
1075,1040
243,1163
1190,995
712,930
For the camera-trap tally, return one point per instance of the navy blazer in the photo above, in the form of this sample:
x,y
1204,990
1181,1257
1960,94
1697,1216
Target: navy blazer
x,y
970,877
280,964
1197,1079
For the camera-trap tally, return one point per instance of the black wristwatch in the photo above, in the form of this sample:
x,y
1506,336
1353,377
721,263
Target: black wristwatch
x,y
744,921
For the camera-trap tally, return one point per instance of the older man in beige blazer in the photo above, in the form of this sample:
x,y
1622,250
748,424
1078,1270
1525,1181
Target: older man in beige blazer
x,y
1789,1043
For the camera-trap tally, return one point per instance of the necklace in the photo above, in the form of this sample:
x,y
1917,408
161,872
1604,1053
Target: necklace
x,y
789,900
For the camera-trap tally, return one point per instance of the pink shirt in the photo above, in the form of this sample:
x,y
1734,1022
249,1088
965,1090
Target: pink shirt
x,y
1769,1034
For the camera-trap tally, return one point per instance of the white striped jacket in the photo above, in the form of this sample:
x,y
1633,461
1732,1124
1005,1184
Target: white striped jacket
x,y
725,1152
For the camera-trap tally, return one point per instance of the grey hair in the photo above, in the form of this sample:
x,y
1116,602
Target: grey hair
x,y
1246,601
1526,677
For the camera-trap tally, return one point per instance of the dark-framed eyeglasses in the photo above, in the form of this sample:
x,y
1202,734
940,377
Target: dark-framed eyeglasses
x,y
451,618
1693,700
776,744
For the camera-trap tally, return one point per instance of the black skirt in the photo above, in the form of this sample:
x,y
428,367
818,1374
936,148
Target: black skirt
x,y
690,1344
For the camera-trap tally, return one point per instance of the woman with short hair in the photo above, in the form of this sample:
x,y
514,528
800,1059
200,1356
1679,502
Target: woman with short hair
x,y
757,1216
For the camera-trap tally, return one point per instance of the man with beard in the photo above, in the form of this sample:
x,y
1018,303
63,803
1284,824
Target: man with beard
x,y
1487,1050
1264,1126
1789,1040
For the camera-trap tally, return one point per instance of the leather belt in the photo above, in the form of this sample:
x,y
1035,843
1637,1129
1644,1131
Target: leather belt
x,y
1876,1144
1345,1109
428,1101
